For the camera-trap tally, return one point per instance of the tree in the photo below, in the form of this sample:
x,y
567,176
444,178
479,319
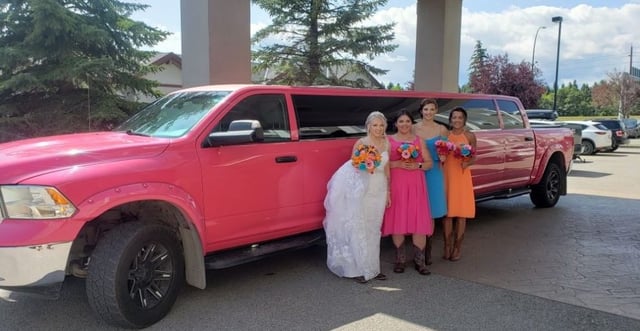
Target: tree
x,y
325,42
625,91
479,77
496,75
65,53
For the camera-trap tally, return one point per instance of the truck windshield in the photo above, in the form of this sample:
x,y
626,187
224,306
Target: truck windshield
x,y
173,115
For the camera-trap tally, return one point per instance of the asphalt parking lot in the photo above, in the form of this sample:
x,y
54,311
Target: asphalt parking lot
x,y
572,267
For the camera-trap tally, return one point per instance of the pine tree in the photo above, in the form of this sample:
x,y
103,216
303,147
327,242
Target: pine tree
x,y
64,63
325,41
478,74
58,45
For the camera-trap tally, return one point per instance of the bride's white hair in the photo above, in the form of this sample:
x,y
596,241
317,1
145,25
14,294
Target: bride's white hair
x,y
373,115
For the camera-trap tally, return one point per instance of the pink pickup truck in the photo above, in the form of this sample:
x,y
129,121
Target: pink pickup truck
x,y
214,176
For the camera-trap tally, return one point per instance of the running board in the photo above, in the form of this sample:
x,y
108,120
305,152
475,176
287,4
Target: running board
x,y
242,255
506,194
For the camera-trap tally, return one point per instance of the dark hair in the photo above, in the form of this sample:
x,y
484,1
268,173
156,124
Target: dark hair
x,y
403,112
460,109
425,102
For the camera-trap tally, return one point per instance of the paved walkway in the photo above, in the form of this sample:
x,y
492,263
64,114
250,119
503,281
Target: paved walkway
x,y
585,251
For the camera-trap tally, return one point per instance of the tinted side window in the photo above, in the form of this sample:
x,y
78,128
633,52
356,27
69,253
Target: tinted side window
x,y
269,109
511,116
482,114
325,116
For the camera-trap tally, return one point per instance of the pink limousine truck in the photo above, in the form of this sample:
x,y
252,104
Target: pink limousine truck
x,y
214,176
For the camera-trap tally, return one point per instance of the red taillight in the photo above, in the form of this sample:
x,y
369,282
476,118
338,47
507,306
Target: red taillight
x,y
602,133
619,133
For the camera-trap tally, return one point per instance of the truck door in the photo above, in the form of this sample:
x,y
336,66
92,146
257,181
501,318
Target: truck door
x,y
482,120
252,191
519,144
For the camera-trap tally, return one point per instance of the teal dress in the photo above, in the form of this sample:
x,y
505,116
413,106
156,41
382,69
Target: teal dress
x,y
435,182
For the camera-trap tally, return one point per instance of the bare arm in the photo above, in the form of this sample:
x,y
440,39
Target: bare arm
x,y
427,161
444,132
471,137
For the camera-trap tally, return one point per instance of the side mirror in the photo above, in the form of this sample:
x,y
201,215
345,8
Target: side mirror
x,y
240,132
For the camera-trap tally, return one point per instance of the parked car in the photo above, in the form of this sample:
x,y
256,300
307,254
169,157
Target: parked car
x,y
619,134
633,127
595,136
542,114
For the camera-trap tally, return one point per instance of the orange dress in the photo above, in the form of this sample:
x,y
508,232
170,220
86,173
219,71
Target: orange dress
x,y
458,184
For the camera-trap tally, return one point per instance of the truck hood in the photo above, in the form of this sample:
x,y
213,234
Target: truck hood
x,y
23,159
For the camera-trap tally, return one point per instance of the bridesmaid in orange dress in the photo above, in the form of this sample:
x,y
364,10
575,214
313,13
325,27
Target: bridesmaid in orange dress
x,y
459,186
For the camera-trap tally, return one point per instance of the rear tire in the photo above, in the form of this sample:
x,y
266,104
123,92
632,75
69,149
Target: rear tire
x,y
588,147
546,193
135,274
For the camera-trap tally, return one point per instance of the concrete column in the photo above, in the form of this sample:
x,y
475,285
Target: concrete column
x,y
438,45
216,42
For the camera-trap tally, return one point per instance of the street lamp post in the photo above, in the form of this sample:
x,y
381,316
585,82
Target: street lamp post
x,y
557,19
533,55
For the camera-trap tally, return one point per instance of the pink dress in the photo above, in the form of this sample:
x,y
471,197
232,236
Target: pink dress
x,y
409,212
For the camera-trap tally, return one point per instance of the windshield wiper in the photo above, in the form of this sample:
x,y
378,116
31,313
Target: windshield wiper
x,y
133,133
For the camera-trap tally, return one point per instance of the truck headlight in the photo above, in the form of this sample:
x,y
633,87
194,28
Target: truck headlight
x,y
34,202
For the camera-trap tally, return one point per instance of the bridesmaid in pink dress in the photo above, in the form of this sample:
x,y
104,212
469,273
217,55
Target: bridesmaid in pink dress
x,y
409,212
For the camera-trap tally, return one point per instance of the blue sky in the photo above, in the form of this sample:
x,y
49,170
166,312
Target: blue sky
x,y
596,35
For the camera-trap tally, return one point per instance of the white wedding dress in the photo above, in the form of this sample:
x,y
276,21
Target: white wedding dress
x,y
355,205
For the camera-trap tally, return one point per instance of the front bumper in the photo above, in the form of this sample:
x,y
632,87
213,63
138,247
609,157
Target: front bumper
x,y
38,269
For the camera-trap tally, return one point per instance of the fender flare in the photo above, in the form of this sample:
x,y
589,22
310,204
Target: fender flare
x,y
191,233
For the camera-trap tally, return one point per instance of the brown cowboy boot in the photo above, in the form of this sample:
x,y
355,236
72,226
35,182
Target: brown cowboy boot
x,y
419,259
401,258
427,253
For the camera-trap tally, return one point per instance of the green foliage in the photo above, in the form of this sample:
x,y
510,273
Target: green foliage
x,y
54,51
39,114
497,75
325,42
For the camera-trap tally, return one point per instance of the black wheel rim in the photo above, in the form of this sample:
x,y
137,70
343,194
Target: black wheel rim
x,y
150,275
553,185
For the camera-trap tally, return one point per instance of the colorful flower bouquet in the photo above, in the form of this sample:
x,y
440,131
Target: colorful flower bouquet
x,y
366,157
443,148
464,152
408,152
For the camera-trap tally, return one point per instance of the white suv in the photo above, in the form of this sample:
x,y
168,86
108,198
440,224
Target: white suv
x,y
595,137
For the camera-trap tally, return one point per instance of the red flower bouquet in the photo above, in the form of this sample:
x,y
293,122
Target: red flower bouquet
x,y
443,148
366,157
408,152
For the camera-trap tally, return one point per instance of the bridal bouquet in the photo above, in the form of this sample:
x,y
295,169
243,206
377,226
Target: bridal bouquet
x,y
408,152
444,147
366,158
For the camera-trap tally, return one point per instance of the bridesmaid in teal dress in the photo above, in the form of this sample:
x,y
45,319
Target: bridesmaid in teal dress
x,y
431,131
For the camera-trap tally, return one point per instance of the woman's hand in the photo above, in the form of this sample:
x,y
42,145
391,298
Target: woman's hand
x,y
388,199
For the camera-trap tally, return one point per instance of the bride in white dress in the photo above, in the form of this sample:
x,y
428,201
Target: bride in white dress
x,y
354,205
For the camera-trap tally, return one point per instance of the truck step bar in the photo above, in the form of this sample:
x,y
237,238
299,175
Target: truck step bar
x,y
506,194
237,256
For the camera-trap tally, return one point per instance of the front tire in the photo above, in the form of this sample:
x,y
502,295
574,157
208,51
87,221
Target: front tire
x,y
135,274
546,193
